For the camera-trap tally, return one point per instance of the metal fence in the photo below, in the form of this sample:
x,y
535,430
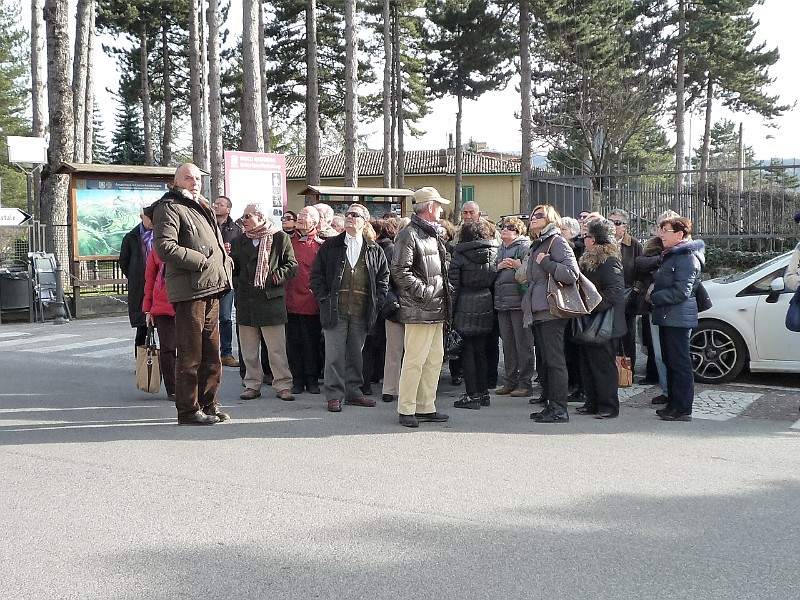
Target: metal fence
x,y
749,209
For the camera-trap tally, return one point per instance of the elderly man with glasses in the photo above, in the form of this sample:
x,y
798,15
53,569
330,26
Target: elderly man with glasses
x,y
350,279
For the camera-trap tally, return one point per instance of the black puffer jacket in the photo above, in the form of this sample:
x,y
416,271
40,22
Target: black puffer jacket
x,y
507,295
419,270
602,266
472,273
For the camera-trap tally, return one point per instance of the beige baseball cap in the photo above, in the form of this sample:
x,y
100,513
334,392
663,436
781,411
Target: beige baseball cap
x,y
428,194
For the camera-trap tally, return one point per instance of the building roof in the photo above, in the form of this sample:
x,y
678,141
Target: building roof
x,y
324,190
99,169
417,162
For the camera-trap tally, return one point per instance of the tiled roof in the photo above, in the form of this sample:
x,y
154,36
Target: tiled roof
x,y
417,162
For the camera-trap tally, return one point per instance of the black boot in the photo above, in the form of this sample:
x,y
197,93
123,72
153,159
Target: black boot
x,y
469,402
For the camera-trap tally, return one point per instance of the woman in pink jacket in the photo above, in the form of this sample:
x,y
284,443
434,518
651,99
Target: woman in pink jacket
x,y
159,312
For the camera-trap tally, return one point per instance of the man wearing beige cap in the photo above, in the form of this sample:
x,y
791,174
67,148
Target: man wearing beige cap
x,y
419,270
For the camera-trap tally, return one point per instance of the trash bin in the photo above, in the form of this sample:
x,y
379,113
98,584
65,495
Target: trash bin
x,y
14,289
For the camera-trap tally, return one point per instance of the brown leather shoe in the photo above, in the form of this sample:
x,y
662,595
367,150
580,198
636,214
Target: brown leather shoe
x,y
229,361
360,401
249,394
285,395
504,391
197,418
661,399
214,411
334,406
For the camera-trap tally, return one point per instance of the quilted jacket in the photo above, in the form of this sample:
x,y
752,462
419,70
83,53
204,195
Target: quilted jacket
x,y
506,289
674,304
472,272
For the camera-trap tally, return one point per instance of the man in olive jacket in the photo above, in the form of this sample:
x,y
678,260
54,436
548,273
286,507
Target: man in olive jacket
x,y
419,271
264,261
198,272
350,280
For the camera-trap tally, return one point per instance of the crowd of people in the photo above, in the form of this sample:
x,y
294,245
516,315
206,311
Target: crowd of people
x,y
352,301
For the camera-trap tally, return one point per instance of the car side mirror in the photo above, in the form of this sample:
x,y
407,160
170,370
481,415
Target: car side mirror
x,y
776,287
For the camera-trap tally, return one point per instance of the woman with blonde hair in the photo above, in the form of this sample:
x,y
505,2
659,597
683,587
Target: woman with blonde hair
x,y
550,256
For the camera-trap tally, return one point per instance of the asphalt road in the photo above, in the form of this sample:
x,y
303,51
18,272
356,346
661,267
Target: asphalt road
x,y
105,497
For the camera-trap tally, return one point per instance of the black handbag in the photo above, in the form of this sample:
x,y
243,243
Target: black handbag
x,y
594,329
452,344
702,298
391,305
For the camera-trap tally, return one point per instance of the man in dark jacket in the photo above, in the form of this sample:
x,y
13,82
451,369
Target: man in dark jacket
x,y
419,270
198,272
230,230
630,249
350,279
264,261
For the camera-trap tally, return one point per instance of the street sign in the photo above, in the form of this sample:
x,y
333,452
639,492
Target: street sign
x,y
12,217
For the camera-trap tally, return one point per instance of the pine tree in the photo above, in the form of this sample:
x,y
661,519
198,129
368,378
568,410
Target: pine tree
x,y
101,154
14,91
127,142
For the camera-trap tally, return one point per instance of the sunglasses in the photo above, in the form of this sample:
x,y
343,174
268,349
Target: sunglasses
x,y
287,218
538,216
248,215
354,214
616,222
582,217
509,227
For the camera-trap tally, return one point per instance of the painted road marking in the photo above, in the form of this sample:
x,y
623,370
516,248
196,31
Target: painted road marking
x,y
37,340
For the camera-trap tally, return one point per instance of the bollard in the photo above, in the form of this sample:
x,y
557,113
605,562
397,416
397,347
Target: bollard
x,y
59,310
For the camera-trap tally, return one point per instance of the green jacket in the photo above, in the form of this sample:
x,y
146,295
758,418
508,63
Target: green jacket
x,y
259,307
186,237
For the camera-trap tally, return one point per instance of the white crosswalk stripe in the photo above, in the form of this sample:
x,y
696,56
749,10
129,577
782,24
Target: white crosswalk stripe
x,y
76,345
13,334
37,340
126,349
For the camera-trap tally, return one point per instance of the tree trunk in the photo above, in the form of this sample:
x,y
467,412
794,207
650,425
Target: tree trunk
x,y
61,124
703,186
214,101
195,84
252,126
459,159
398,99
526,166
351,96
387,94
312,99
166,139
37,91
79,67
148,129
680,106
262,60
88,136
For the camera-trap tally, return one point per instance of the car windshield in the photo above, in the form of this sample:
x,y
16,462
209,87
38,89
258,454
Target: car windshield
x,y
765,265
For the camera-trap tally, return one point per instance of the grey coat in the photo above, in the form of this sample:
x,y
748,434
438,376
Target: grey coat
x,y
506,289
559,262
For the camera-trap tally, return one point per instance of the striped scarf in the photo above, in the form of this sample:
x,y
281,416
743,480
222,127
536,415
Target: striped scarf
x,y
264,233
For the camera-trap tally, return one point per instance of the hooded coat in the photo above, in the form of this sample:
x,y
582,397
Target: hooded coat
x,y
472,272
602,266
675,282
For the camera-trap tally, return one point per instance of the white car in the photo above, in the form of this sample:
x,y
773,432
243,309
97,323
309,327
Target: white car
x,y
746,325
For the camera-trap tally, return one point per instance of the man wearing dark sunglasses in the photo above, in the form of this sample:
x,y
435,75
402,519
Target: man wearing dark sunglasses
x,y
630,249
349,279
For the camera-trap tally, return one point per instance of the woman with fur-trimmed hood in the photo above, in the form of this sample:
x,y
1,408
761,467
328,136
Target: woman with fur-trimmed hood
x,y
601,264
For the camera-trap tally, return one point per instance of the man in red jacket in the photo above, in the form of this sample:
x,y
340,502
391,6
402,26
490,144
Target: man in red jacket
x,y
303,330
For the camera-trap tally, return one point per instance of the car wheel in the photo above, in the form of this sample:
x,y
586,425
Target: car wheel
x,y
718,352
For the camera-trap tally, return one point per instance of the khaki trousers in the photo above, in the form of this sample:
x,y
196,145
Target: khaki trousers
x,y
275,339
422,364
395,339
